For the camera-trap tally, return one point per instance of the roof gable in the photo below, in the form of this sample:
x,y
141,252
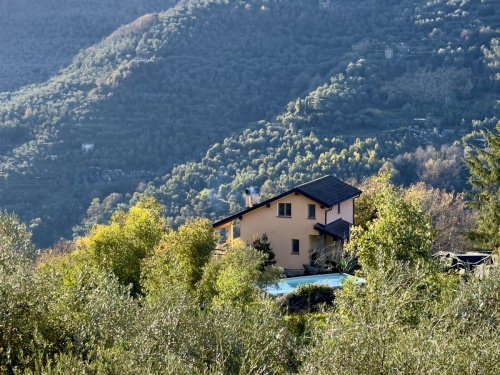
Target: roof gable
x,y
249,209
328,190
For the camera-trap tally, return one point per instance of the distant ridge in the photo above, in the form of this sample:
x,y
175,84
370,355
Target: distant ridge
x,y
160,91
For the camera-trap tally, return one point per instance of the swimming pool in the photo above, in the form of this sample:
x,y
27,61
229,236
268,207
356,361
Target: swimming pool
x,y
289,285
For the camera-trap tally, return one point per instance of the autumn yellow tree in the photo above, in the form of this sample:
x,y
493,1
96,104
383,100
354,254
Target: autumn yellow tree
x,y
130,237
180,257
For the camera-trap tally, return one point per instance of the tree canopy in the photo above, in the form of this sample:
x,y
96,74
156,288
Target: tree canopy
x,y
130,237
399,231
484,166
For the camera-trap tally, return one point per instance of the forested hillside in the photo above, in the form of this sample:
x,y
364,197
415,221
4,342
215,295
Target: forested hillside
x,y
38,38
163,89
279,155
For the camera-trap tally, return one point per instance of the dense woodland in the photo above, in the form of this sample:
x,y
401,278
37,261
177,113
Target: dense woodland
x,y
38,38
274,105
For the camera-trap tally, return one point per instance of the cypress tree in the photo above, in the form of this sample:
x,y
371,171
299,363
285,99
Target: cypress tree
x,y
263,245
484,165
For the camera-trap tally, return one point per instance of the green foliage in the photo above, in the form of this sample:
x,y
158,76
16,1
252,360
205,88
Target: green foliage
x,y
429,86
38,38
238,276
67,314
130,237
484,167
400,232
366,208
265,161
448,212
304,325
307,299
263,245
61,364
393,324
180,257
85,309
233,278
18,307
15,236
223,339
18,292
254,339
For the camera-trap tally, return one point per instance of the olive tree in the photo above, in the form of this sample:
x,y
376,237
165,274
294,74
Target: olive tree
x,y
130,237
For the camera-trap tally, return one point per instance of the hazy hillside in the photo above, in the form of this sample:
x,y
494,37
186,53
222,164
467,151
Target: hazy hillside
x,y
37,38
161,90
291,150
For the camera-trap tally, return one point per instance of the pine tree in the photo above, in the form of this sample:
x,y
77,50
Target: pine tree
x,y
484,166
263,245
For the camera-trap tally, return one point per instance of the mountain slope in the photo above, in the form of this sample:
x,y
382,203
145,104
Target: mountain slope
x,y
161,90
278,155
37,38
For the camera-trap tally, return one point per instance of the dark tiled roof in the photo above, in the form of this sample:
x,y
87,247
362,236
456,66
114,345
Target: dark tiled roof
x,y
327,191
338,228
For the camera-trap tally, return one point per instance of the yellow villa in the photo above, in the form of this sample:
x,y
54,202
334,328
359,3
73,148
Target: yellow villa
x,y
301,223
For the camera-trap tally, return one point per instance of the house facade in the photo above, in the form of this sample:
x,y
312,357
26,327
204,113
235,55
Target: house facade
x,y
303,224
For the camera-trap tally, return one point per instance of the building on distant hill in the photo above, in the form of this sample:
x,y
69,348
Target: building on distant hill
x,y
87,147
388,53
302,224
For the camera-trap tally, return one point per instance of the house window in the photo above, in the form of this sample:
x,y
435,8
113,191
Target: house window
x,y
338,208
311,211
295,246
285,209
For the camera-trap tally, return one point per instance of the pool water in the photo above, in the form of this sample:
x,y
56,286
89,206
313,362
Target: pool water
x,y
289,285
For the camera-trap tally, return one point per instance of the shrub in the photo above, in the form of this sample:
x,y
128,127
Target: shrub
x,y
307,298
394,325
